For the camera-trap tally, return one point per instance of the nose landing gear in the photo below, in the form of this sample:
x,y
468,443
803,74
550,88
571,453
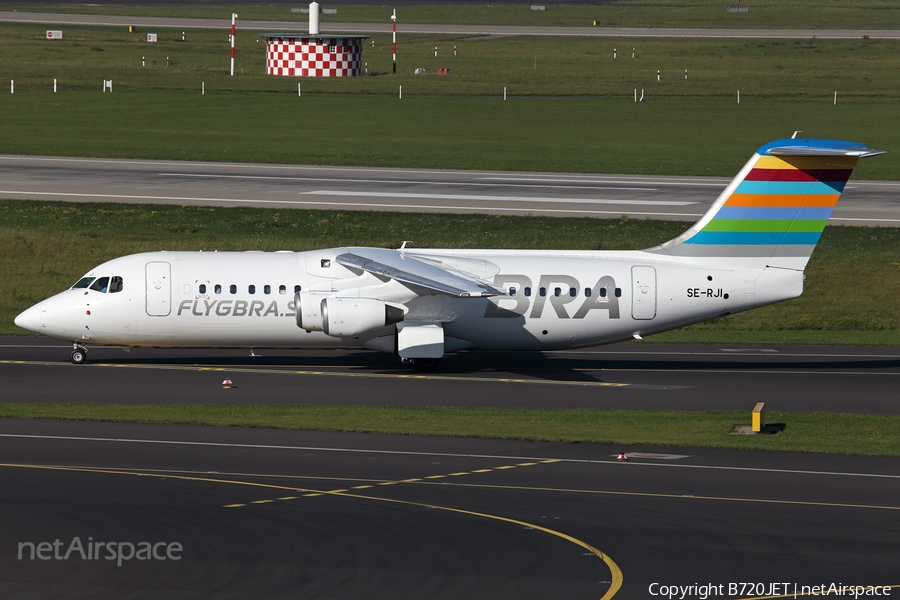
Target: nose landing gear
x,y
78,355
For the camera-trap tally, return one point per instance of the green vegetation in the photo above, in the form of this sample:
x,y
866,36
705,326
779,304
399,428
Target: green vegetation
x,y
574,112
47,246
805,432
578,135
763,69
668,137
812,14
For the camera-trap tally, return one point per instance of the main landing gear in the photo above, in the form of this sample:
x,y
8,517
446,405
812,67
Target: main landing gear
x,y
79,354
423,364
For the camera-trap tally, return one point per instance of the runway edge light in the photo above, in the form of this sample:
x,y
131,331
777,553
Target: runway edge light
x,y
621,456
227,385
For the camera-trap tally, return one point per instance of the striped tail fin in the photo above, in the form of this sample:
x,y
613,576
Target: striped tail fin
x,y
774,211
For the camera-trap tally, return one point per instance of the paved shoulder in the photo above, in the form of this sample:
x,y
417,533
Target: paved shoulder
x,y
290,26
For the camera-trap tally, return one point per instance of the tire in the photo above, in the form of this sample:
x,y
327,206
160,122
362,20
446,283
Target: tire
x,y
78,356
426,364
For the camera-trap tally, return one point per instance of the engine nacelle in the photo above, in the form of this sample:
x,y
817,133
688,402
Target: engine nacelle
x,y
343,317
307,310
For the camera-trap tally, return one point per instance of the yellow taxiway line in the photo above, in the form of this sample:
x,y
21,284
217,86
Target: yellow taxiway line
x,y
263,370
616,573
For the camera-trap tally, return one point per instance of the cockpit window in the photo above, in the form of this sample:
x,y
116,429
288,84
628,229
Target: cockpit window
x,y
83,283
101,285
115,285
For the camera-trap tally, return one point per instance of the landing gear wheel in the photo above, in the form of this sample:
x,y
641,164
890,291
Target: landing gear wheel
x,y
78,356
426,364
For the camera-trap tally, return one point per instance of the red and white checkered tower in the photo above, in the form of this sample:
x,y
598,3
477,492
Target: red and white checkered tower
x,y
312,55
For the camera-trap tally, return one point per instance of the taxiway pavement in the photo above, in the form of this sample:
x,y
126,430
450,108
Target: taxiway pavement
x,y
278,514
860,380
872,203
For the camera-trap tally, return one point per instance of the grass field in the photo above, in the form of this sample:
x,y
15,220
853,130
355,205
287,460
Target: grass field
x,y
573,111
700,137
817,14
763,69
804,432
46,246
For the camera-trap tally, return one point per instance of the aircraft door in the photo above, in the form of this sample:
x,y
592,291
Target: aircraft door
x,y
643,292
159,289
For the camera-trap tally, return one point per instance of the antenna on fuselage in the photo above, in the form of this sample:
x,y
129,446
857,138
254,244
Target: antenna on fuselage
x,y
794,137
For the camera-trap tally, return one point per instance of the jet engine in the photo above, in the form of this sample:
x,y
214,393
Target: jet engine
x,y
354,316
306,310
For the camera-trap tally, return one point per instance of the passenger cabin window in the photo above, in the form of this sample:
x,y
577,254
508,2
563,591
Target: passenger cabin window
x,y
218,288
232,288
101,285
543,291
202,288
618,292
573,292
296,288
251,289
116,285
282,289
603,292
557,292
267,289
512,291
587,292
527,292
83,283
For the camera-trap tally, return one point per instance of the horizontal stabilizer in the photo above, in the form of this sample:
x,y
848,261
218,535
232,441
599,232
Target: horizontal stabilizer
x,y
809,147
406,269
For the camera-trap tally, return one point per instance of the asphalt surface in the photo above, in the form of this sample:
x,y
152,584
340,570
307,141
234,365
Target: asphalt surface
x,y
873,203
628,376
329,27
278,514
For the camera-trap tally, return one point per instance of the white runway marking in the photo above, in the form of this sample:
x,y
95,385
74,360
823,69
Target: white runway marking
x,y
368,205
646,182
867,220
415,182
499,198
444,454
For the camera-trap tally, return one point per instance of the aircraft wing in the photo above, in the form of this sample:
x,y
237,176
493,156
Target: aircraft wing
x,y
407,269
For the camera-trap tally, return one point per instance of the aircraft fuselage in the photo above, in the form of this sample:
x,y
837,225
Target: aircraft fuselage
x,y
247,299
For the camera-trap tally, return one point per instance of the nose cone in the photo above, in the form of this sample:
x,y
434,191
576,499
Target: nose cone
x,y
30,319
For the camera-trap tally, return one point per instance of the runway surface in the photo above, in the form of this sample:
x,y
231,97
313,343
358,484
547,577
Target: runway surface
x,y
873,203
629,376
278,514
326,27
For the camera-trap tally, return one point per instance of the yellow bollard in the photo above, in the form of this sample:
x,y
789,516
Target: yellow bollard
x,y
759,417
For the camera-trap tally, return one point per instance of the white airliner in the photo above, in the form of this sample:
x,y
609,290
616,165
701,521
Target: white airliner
x,y
748,250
